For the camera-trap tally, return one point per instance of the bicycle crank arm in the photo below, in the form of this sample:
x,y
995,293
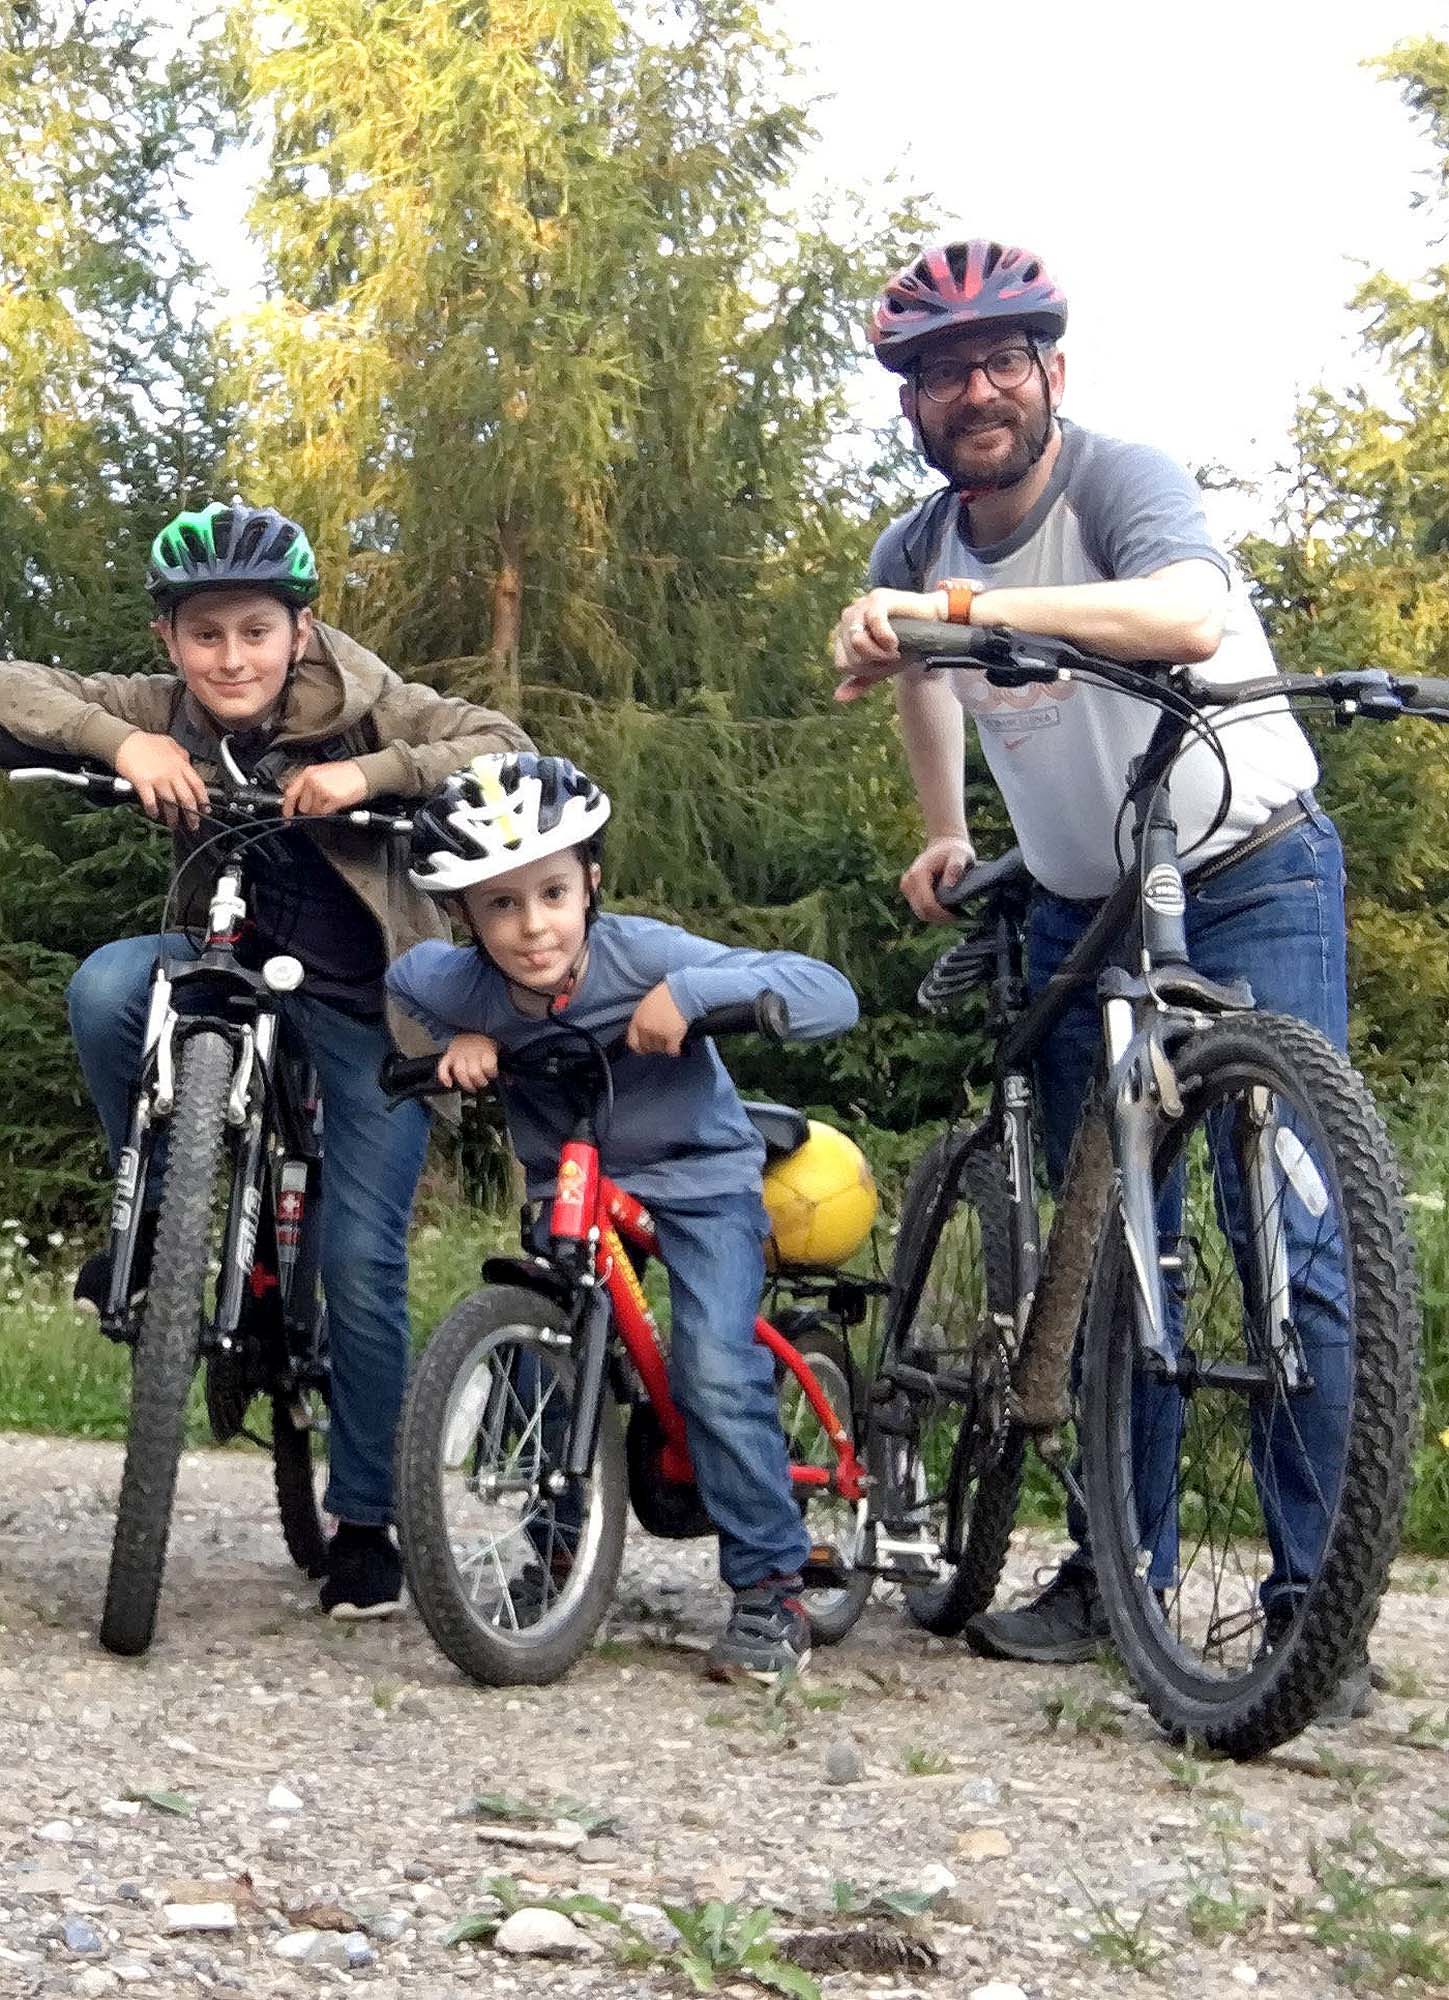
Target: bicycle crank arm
x,y
927,1381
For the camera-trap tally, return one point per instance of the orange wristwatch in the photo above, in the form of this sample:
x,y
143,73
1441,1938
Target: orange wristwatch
x,y
959,594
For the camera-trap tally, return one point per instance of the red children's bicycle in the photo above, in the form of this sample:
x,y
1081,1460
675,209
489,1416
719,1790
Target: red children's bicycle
x,y
515,1473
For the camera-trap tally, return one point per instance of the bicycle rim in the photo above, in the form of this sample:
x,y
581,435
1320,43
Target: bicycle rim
x,y
948,1464
828,1517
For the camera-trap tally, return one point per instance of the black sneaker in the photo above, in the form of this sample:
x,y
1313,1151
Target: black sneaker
x,y
364,1574
1063,1627
768,1634
535,1590
93,1279
1352,1699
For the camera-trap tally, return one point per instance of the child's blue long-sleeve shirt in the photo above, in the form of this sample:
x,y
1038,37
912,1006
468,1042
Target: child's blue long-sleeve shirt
x,y
676,1131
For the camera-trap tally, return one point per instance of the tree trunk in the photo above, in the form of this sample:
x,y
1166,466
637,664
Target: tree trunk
x,y
507,619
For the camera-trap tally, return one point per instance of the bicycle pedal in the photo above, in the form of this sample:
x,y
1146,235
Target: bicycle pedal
x,y
825,1568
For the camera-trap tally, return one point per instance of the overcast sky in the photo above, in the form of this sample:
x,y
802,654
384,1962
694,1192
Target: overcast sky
x,y
1208,182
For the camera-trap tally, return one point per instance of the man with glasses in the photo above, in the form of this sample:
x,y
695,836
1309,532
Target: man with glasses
x,y
1046,527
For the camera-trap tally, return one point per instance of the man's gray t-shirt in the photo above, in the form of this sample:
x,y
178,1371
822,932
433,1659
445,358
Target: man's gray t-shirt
x,y
1060,754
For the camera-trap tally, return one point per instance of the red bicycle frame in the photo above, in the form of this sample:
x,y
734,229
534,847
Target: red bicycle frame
x,y
589,1207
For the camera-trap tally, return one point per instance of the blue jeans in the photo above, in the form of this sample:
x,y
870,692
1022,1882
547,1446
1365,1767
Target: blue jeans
x,y
1275,919
374,1158
723,1380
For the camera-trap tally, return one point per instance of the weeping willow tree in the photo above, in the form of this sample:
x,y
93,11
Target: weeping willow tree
x,y
559,375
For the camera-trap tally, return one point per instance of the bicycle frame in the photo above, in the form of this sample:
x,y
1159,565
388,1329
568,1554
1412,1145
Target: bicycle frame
x,y
1145,1013
590,1223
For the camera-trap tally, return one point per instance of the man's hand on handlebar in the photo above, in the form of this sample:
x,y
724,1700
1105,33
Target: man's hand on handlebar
x,y
469,1062
940,865
165,780
866,649
657,1028
324,788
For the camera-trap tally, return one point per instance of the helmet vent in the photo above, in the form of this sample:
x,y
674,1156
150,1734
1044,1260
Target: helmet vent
x,y
250,539
957,255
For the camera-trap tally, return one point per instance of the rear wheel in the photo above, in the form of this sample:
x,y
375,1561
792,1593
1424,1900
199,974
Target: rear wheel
x,y
1243,1516
510,1577
831,1520
167,1343
948,1467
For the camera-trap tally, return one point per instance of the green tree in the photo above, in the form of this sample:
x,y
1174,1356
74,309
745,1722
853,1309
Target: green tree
x,y
1358,575
107,415
560,376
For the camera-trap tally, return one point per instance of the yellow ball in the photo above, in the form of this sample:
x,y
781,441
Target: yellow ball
x,y
821,1200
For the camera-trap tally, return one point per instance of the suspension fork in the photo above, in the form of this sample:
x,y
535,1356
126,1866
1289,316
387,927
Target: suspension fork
x,y
155,1096
1263,1179
248,1108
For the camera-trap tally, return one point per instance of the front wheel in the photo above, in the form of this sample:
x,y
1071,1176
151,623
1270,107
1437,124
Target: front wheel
x,y
510,1576
947,1465
167,1343
1243,1513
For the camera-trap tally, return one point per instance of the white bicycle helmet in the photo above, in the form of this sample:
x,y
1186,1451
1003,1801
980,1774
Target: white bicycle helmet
x,y
500,813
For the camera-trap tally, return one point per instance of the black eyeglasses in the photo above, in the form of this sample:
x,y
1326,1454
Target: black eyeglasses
x,y
948,376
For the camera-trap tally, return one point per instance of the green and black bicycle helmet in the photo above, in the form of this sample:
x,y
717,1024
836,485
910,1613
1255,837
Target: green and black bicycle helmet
x,y
231,546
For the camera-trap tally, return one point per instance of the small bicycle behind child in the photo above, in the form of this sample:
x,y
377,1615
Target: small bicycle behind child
x,y
514,1476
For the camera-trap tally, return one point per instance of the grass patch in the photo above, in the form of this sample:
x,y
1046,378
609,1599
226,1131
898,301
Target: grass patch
x,y
60,1375
1067,1714
1384,1922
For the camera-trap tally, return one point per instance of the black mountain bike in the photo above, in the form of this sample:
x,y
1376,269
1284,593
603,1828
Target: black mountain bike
x,y
215,1219
1230,1240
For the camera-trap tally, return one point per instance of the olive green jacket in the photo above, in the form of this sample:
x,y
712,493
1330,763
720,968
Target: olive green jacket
x,y
342,702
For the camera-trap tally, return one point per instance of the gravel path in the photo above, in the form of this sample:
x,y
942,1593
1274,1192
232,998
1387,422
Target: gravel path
x,y
330,1770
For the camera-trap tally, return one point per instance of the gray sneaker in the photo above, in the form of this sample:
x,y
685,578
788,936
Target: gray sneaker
x,y
767,1635
1062,1627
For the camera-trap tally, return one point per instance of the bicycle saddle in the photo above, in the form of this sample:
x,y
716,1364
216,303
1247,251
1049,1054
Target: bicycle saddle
x,y
782,1129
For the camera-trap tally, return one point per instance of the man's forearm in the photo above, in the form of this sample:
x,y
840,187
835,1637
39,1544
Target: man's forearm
x,y
934,733
1163,617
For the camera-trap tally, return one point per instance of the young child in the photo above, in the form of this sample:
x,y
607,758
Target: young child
x,y
308,711
513,844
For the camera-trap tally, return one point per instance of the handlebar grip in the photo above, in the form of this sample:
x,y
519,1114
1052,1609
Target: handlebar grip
x,y
765,1015
1419,693
925,639
402,1076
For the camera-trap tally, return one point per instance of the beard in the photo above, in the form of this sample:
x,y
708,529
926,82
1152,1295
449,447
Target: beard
x,y
1030,438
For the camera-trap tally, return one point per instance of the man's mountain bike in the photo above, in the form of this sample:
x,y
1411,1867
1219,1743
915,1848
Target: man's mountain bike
x,y
215,1219
1230,1240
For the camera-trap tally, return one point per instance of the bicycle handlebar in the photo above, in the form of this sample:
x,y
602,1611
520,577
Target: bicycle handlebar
x,y
244,805
417,1076
1016,659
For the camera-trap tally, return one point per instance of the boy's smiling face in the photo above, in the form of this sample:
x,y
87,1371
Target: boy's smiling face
x,y
233,648
533,920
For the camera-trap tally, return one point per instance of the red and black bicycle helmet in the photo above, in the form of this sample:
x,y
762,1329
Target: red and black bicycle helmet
x,y
954,287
